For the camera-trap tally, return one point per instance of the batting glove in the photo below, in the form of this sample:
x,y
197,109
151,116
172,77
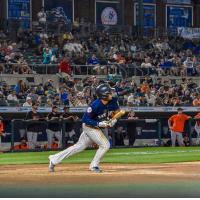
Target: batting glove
x,y
103,124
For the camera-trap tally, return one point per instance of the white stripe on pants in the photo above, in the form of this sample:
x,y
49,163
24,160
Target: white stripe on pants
x,y
179,137
32,139
88,136
51,134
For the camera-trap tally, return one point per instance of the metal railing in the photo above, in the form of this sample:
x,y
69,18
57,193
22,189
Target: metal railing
x,y
125,70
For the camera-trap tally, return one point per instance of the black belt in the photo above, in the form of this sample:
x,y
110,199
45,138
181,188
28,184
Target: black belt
x,y
94,127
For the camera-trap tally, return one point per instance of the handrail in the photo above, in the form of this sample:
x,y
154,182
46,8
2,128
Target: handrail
x,y
128,70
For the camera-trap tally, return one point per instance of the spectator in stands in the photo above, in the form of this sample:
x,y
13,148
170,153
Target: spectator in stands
x,y
40,89
150,98
47,56
146,63
20,89
3,101
54,129
94,61
131,100
33,95
12,98
176,124
64,96
80,100
196,101
28,102
65,68
48,84
56,100
189,65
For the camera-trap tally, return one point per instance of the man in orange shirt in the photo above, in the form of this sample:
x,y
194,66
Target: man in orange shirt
x,y
22,146
197,127
176,124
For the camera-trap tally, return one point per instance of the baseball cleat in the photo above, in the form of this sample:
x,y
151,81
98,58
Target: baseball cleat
x,y
96,169
51,166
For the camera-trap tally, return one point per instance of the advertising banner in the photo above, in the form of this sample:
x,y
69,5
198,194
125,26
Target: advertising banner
x,y
178,16
149,16
60,8
20,10
189,33
179,1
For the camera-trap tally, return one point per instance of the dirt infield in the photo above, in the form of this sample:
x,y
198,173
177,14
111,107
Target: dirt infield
x,y
113,173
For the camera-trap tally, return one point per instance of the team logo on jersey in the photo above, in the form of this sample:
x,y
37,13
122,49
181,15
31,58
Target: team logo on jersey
x,y
109,16
89,110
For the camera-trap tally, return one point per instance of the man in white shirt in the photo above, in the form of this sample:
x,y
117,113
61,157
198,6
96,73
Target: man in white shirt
x,y
12,97
189,65
28,102
151,99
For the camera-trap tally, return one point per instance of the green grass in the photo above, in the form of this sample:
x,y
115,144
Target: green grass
x,y
133,155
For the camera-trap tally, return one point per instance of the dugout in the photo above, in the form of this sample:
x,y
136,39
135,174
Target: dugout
x,y
150,130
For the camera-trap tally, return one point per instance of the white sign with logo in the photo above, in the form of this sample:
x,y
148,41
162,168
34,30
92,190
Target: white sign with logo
x,y
189,33
109,16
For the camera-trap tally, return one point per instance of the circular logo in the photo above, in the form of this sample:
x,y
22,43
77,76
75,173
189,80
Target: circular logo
x,y
109,16
89,110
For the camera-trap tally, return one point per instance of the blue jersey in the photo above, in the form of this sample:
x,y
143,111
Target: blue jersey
x,y
98,112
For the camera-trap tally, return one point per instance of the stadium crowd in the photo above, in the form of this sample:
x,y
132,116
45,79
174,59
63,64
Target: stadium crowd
x,y
161,57
121,52
80,92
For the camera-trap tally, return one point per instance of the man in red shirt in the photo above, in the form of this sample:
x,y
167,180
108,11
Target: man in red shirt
x,y
65,67
176,124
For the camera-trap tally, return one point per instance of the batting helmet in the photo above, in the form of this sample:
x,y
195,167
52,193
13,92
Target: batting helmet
x,y
103,91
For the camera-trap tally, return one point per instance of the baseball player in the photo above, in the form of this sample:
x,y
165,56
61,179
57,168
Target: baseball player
x,y
94,120
176,124
197,127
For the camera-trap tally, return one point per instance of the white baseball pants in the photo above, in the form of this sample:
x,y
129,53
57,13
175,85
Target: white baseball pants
x,y
179,137
88,136
32,139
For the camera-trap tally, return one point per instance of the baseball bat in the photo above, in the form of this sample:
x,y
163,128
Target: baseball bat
x,y
119,114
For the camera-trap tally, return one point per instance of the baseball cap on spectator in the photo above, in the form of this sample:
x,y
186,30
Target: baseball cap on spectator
x,y
179,109
35,104
56,94
66,107
54,107
28,98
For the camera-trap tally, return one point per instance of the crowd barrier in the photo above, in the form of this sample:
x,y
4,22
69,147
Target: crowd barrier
x,y
125,70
